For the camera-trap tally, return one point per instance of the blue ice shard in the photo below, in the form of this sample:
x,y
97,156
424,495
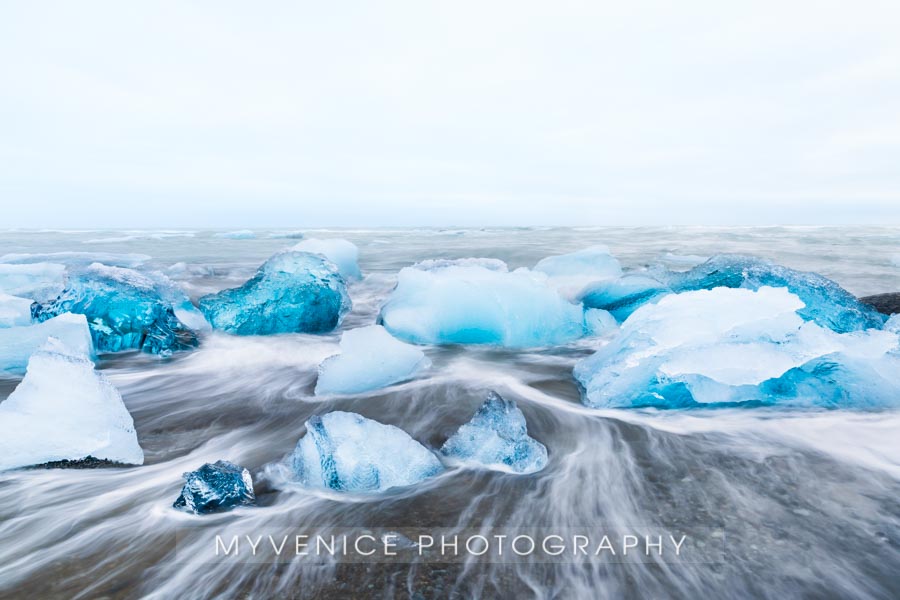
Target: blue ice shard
x,y
347,452
216,487
344,254
125,310
827,303
292,292
624,295
497,438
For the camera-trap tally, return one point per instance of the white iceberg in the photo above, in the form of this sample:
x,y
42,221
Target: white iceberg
x,y
570,273
65,410
37,281
347,452
370,359
727,346
14,311
344,254
473,302
17,344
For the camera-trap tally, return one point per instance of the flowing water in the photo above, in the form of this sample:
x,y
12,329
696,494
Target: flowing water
x,y
797,503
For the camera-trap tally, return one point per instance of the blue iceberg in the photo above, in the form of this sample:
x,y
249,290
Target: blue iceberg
x,y
478,301
344,254
124,308
37,281
497,438
624,295
216,487
725,347
65,410
826,303
347,452
570,273
14,311
370,359
17,344
292,292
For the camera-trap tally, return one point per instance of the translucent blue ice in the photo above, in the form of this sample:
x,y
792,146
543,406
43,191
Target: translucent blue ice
x,y
827,303
728,346
624,295
478,301
347,452
570,273
497,438
241,234
124,308
216,487
14,311
37,281
370,359
292,292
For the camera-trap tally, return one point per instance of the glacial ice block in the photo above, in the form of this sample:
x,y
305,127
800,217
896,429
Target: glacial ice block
x,y
292,292
125,309
216,487
624,295
241,234
37,281
730,346
497,438
472,302
65,410
570,273
14,311
17,344
347,452
341,252
370,359
826,303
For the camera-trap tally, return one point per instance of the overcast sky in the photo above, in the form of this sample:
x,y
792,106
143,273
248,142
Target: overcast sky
x,y
221,114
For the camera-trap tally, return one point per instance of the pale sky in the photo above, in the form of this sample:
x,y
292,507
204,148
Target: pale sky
x,y
230,114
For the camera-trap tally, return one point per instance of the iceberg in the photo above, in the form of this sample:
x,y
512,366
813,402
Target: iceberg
x,y
37,281
342,253
737,346
65,410
17,344
241,234
14,311
292,292
624,295
216,487
826,303
570,273
125,309
497,438
347,452
474,301
370,359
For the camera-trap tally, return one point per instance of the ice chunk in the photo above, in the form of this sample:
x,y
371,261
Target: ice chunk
x,y
624,295
37,281
689,260
292,292
17,344
241,234
125,309
290,235
460,302
726,346
77,259
216,487
370,358
14,311
497,438
345,451
570,273
65,410
342,253
598,321
827,303
893,324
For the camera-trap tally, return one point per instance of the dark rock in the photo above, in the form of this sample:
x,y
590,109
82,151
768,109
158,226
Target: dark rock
x,y
887,304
